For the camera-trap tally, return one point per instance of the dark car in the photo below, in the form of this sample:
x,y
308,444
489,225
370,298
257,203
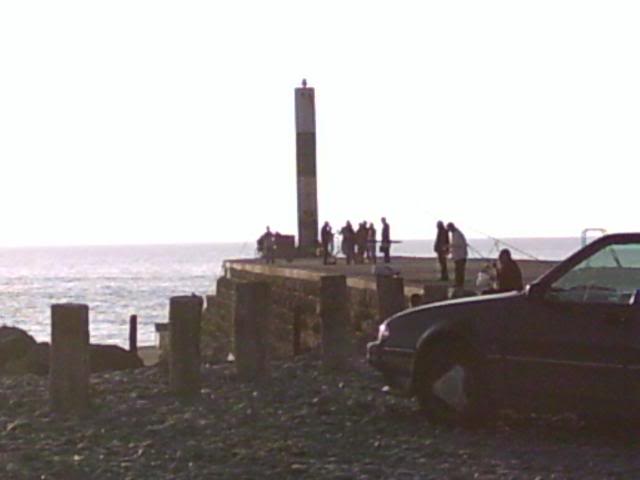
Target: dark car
x,y
569,342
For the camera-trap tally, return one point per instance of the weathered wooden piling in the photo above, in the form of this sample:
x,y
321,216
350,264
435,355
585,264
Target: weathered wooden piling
x,y
69,358
133,333
185,314
334,316
435,293
250,330
390,291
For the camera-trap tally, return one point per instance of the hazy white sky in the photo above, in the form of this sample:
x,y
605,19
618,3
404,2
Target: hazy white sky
x,y
154,121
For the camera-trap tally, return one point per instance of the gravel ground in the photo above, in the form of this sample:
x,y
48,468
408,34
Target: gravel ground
x,y
303,423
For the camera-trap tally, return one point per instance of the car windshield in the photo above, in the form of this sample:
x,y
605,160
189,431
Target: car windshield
x,y
611,275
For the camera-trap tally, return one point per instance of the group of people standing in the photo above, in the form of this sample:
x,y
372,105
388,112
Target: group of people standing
x,y
450,241
358,245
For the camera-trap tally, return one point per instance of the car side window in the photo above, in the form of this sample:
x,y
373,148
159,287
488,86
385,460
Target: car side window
x,y
611,275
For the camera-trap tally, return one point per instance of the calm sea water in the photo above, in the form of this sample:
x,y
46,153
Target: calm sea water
x,y
118,281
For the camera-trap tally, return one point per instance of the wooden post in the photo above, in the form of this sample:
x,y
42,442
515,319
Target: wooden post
x,y
69,358
334,315
435,293
133,333
390,295
185,314
250,330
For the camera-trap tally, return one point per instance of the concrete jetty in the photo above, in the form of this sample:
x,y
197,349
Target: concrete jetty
x,y
295,286
416,271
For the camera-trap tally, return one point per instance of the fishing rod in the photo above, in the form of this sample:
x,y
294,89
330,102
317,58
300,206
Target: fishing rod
x,y
506,244
480,255
497,242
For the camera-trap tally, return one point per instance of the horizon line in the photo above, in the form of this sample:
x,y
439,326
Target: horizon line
x,y
230,242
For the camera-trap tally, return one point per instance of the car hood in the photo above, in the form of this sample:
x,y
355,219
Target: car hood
x,y
471,302
406,328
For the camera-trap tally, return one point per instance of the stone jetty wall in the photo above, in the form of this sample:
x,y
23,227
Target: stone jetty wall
x,y
295,297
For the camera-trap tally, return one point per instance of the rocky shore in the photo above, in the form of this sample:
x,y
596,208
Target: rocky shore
x,y
303,423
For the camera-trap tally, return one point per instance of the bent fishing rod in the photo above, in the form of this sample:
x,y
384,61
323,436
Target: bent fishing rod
x,y
496,240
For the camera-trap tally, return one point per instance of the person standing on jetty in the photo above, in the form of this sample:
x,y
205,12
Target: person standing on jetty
x,y
266,246
361,242
326,238
458,247
371,243
441,247
385,241
348,239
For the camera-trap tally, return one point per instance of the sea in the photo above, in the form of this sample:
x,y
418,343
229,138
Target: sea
x,y
118,281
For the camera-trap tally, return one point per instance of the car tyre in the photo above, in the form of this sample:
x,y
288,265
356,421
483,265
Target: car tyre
x,y
450,386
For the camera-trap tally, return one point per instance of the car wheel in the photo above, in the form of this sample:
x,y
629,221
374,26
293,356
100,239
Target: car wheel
x,y
450,387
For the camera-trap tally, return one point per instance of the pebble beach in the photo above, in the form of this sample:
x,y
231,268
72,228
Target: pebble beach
x,y
303,423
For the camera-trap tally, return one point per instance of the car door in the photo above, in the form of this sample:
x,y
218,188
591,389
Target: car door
x,y
629,255
566,349
632,361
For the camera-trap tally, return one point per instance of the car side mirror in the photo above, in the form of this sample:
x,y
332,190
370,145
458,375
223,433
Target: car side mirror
x,y
535,291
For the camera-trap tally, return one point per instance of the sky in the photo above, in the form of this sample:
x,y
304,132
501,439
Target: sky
x,y
159,122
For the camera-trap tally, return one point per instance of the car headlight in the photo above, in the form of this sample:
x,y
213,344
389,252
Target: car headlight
x,y
383,331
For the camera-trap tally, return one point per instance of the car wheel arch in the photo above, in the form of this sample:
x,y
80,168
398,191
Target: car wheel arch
x,y
433,338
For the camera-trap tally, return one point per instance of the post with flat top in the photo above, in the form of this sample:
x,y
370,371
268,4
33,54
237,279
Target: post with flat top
x,y
185,314
250,330
335,318
133,333
306,169
390,289
435,293
69,358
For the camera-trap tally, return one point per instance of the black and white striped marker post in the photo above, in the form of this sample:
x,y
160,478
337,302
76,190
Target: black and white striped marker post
x,y
306,169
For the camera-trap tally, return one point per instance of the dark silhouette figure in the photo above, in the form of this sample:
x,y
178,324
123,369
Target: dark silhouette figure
x,y
441,247
348,240
509,276
326,238
458,249
361,242
371,243
266,246
385,241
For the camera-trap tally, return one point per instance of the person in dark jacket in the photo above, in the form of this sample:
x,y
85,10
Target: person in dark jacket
x,y
441,247
385,241
361,242
509,276
326,237
348,241
371,243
